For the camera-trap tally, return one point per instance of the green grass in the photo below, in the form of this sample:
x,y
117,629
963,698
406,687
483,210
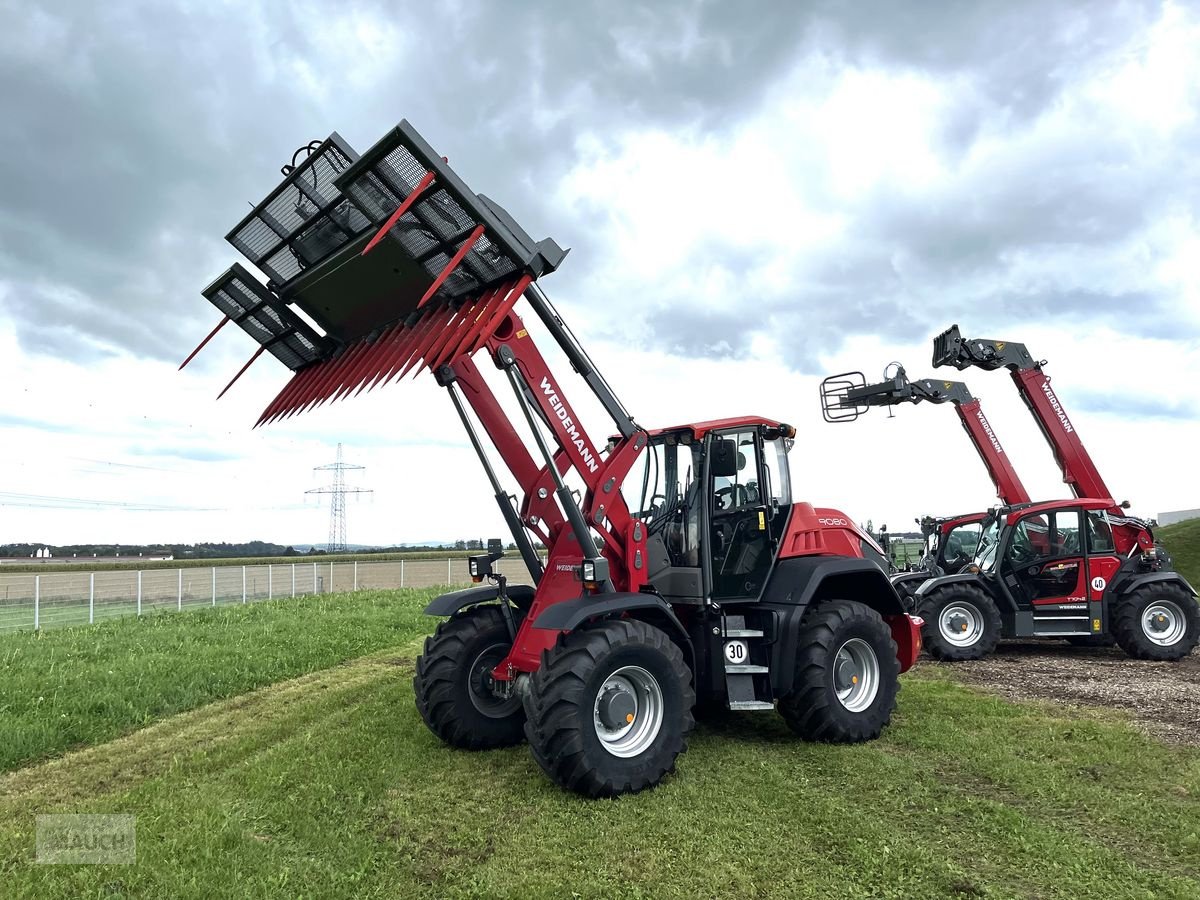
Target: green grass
x,y
75,612
1183,542
66,687
329,785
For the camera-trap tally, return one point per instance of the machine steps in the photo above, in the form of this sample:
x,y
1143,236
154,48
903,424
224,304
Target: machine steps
x,y
747,677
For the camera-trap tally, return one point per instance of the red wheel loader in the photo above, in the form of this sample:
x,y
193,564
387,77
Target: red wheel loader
x,y
681,572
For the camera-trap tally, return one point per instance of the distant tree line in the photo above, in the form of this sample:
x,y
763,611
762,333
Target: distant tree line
x,y
221,550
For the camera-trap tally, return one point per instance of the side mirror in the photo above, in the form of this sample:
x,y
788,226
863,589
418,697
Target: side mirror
x,y
723,458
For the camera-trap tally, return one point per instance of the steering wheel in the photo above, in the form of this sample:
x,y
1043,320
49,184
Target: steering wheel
x,y
1020,554
722,537
655,505
729,497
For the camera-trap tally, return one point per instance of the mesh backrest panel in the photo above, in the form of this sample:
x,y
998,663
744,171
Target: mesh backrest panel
x,y
304,220
436,225
265,318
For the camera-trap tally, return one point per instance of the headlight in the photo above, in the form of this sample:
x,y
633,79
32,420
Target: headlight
x,y
587,571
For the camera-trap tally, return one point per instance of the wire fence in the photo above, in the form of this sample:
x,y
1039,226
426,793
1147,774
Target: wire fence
x,y
54,599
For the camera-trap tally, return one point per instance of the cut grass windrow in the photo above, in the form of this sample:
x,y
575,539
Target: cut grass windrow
x,y
63,688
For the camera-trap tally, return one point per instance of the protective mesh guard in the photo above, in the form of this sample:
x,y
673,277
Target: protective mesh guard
x,y
443,217
305,219
265,318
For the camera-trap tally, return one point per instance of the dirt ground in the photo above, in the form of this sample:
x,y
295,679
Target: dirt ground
x,y
1163,698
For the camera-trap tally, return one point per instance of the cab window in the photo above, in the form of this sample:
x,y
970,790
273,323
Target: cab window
x,y
1100,536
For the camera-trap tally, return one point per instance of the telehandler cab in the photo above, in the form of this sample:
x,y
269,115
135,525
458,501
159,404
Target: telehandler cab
x,y
684,572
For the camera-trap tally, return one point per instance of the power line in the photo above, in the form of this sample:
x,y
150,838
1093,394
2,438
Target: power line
x,y
337,505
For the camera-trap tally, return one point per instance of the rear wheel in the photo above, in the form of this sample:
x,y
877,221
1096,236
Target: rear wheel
x,y
847,675
961,622
1157,621
610,708
456,695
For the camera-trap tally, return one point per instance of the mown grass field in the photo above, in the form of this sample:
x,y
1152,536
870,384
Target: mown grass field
x,y
274,750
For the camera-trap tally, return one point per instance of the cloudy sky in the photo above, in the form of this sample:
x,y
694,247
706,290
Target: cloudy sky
x,y
756,195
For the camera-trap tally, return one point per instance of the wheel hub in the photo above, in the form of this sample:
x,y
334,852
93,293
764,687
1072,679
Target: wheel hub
x,y
486,695
617,707
1163,623
856,675
628,712
961,624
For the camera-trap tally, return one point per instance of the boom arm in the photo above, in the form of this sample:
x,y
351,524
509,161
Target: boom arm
x,y
950,348
851,399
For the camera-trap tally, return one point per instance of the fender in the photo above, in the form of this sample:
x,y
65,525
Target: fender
x,y
934,583
449,604
901,577
798,579
798,582
570,614
1136,581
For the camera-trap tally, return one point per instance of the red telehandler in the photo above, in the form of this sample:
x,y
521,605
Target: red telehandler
x,y
683,573
951,542
1079,569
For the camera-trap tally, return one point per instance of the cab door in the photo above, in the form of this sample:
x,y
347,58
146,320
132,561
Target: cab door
x,y
740,547
1045,568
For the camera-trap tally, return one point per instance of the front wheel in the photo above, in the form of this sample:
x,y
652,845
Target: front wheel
x,y
847,675
456,694
1157,621
961,622
610,709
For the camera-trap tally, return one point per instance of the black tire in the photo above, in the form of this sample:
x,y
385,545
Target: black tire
x,y
451,682
577,674
1134,633
815,708
979,616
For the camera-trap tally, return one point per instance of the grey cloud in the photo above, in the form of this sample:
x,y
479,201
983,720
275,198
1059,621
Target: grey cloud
x,y
136,132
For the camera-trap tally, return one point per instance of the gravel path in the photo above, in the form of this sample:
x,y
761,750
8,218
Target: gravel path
x,y
1163,698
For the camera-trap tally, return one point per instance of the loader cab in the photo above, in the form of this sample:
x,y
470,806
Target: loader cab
x,y
749,495
715,502
950,544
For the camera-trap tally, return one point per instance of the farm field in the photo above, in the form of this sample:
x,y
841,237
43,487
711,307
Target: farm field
x,y
274,750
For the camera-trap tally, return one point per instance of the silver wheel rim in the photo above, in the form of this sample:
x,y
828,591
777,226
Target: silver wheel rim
x,y
856,675
480,685
628,711
961,624
1163,623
